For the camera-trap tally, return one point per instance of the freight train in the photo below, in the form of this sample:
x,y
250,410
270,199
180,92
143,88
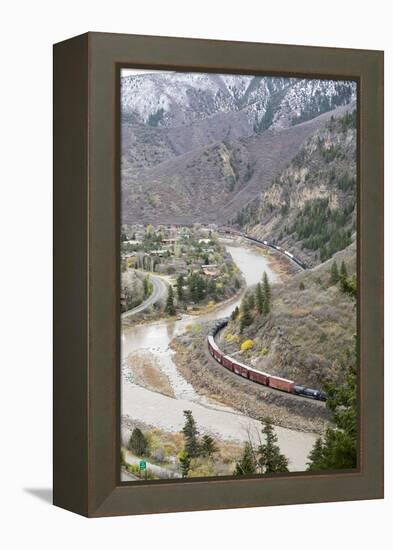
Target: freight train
x,y
268,244
274,382
278,248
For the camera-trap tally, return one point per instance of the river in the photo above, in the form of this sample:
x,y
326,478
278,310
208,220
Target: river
x,y
164,412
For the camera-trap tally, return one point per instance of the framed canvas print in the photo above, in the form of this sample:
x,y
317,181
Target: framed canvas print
x,y
218,274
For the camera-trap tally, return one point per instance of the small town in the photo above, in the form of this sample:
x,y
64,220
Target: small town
x,y
191,259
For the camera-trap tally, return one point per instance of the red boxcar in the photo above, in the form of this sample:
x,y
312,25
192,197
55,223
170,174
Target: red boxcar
x,y
227,362
214,349
239,368
281,383
258,376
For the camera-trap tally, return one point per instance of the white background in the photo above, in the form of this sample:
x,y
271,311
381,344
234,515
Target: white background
x,y
28,30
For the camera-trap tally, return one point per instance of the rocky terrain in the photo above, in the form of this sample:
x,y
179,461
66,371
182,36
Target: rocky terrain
x,y
310,208
209,378
206,145
173,99
310,324
272,157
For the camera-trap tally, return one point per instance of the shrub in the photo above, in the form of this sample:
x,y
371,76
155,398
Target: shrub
x,y
232,338
246,345
138,443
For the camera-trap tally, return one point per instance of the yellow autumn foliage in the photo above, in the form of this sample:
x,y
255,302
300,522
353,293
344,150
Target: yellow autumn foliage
x,y
246,345
232,338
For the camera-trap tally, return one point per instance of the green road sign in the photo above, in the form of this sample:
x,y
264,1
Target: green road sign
x,y
142,464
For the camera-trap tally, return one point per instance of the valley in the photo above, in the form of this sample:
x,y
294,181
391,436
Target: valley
x,y
238,206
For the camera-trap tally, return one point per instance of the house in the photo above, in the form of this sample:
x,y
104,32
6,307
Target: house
x,y
133,242
211,270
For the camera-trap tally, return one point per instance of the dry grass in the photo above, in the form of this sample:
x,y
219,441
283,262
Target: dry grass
x,y
146,373
256,401
316,325
165,447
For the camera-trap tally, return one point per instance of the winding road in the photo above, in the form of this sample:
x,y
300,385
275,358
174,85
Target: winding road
x,y
159,292
151,408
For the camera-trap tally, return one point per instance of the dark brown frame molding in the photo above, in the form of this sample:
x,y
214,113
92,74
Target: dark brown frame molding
x,y
86,273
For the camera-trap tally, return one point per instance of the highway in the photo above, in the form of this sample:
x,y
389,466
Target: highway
x,y
159,292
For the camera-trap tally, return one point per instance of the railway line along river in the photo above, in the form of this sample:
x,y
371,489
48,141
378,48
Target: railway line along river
x,y
140,404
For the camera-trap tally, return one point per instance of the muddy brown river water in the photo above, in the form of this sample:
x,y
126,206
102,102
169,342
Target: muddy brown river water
x,y
164,412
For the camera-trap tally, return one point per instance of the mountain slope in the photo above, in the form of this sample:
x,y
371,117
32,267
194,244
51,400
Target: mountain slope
x,y
310,208
173,99
211,184
144,146
311,323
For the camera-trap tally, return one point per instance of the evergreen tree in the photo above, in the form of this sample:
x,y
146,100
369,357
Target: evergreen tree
x,y
146,286
343,270
334,275
235,313
348,285
301,286
185,462
316,455
138,443
259,298
246,317
208,446
339,444
200,288
212,288
197,287
170,305
267,294
251,301
270,458
247,465
190,432
179,287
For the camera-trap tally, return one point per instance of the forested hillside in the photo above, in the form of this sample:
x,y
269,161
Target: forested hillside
x,y
310,208
205,145
307,321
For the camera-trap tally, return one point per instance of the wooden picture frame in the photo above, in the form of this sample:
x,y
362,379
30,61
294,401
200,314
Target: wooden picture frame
x,y
86,273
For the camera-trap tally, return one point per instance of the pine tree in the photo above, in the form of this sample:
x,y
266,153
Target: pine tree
x,y
316,456
235,313
179,287
348,285
301,286
170,306
212,288
138,443
246,317
339,444
259,298
208,446
267,294
146,286
247,465
200,288
270,458
197,287
251,301
334,275
190,432
185,462
343,270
